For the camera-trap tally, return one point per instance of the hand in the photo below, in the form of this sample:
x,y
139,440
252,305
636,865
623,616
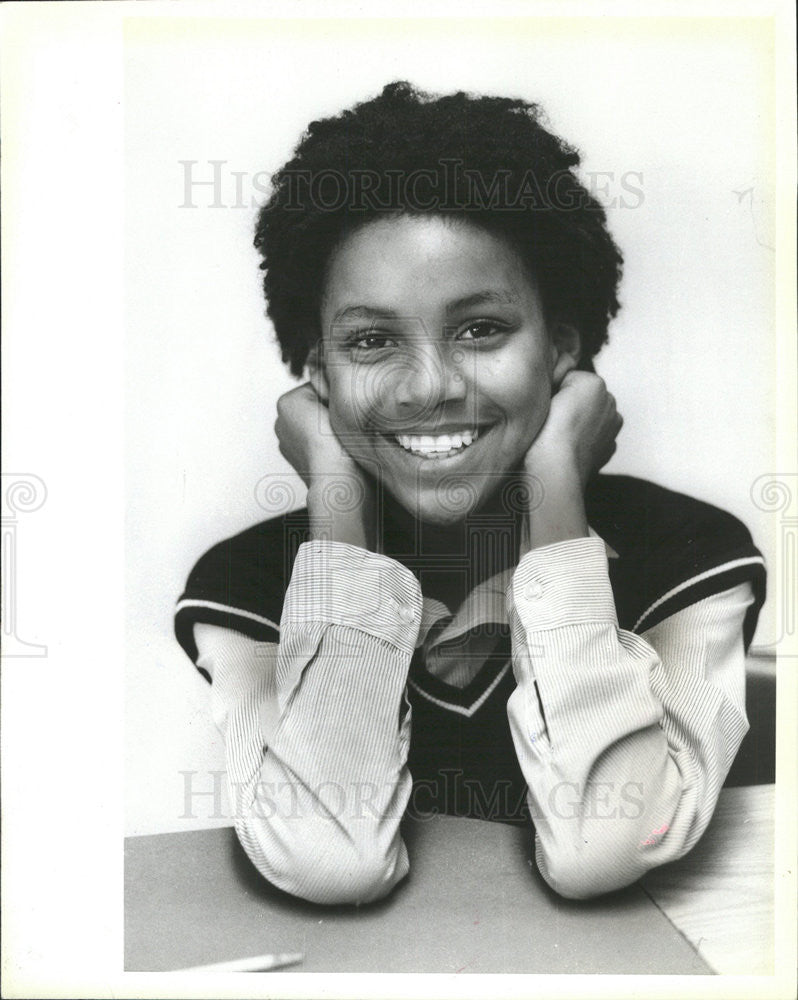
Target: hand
x,y
580,430
340,497
306,437
577,438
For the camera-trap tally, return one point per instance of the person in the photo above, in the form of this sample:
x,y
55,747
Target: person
x,y
467,616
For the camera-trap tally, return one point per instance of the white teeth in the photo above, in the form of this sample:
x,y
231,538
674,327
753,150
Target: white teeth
x,y
435,447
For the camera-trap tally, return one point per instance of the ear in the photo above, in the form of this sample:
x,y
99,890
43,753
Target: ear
x,y
316,372
566,349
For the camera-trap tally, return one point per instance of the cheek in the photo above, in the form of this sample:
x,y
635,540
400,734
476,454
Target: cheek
x,y
363,399
524,390
352,419
345,404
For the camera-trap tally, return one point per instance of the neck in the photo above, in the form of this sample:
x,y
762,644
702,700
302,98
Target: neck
x,y
463,553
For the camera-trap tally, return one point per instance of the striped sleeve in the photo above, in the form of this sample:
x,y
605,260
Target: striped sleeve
x,y
317,729
624,739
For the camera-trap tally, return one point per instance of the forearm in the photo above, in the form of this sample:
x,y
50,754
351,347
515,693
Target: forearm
x,y
624,750
319,811
334,776
340,509
559,511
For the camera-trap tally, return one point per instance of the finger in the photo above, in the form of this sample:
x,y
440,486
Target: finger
x,y
319,385
305,391
287,401
570,378
564,365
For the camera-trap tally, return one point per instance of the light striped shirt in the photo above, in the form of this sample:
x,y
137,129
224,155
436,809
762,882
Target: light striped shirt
x,y
624,740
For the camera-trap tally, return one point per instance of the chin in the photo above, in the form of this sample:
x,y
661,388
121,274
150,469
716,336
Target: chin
x,y
440,518
502,494
451,505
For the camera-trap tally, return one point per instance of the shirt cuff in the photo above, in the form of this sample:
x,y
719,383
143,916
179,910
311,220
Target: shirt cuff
x,y
563,584
340,584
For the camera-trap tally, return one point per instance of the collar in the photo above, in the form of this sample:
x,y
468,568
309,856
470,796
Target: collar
x,y
484,605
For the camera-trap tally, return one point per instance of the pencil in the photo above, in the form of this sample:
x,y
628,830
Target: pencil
x,y
260,963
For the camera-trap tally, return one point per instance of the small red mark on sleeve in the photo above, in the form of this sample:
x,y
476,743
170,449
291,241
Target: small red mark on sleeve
x,y
651,839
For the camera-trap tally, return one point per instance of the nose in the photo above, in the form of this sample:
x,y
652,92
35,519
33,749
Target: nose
x,y
432,374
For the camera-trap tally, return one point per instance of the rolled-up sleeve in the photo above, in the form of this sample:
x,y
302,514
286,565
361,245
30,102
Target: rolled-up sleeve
x,y
317,729
624,740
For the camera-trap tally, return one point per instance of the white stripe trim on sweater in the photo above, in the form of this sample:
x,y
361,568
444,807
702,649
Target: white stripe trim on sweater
x,y
460,709
236,612
694,580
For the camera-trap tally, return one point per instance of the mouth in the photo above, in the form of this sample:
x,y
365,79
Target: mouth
x,y
430,447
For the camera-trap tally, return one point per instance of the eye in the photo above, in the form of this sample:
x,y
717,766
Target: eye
x,y
369,345
371,340
481,329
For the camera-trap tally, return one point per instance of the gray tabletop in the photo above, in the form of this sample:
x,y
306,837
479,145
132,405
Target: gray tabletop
x,y
473,902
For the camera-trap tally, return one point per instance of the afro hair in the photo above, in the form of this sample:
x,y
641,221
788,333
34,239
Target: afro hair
x,y
487,159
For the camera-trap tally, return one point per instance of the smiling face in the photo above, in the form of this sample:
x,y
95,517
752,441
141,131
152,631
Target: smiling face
x,y
438,360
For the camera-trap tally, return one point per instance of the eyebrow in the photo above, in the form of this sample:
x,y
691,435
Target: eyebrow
x,y
365,312
487,296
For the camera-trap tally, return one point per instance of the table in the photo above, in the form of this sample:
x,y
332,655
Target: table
x,y
473,903
720,896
